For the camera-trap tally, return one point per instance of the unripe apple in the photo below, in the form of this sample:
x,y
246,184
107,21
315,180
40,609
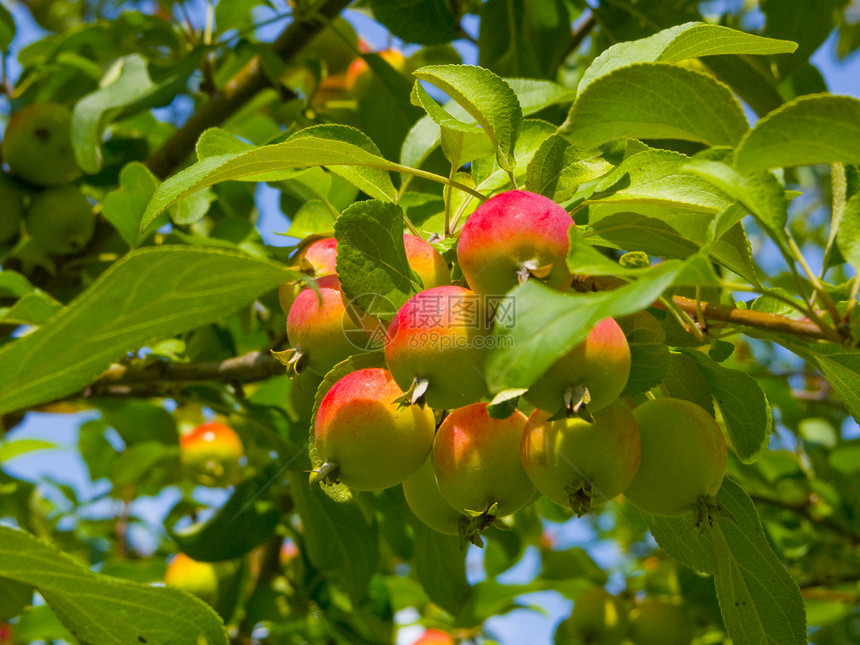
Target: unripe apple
x,y
426,501
427,262
659,622
512,237
321,330
61,220
198,578
593,373
211,454
683,457
598,618
11,209
577,464
477,461
364,438
435,637
37,145
436,346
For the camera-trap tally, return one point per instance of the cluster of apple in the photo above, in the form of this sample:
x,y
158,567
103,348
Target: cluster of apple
x,y
600,617
423,421
38,191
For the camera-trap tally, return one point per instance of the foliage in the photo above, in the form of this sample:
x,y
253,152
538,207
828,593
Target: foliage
x,y
740,240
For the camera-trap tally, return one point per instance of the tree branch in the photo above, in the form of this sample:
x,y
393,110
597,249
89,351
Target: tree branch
x,y
240,89
714,312
805,511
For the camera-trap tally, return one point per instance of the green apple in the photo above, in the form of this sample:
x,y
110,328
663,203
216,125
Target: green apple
x,y
37,145
11,209
61,220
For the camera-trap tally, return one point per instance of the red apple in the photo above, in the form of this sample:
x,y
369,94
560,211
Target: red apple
x,y
512,237
211,454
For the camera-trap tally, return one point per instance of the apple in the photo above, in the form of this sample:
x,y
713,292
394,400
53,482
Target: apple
x,y
198,578
427,262
577,464
211,454
659,622
37,145
364,438
61,220
317,259
435,637
683,457
436,346
594,373
597,618
12,210
477,462
512,237
322,331
426,501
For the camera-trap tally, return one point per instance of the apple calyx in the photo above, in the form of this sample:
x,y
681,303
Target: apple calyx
x,y
415,395
325,474
709,511
474,522
575,398
533,270
294,360
580,498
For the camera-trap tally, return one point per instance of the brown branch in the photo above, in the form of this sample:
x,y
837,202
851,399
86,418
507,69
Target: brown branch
x,y
714,312
240,89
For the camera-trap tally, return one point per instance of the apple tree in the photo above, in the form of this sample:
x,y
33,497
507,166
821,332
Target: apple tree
x,y
380,301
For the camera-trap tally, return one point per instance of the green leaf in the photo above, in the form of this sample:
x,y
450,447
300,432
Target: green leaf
x,y
371,258
682,542
11,449
126,88
7,29
759,600
486,97
440,566
558,168
215,141
648,352
148,294
111,610
655,101
686,381
338,539
744,407
548,324
14,598
848,233
840,366
339,148
245,521
34,308
425,22
690,40
124,206
816,129
760,193
134,465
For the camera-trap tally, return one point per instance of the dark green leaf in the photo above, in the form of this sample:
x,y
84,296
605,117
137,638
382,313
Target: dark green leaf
x,y
440,566
744,407
339,540
371,259
245,521
759,600
426,22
